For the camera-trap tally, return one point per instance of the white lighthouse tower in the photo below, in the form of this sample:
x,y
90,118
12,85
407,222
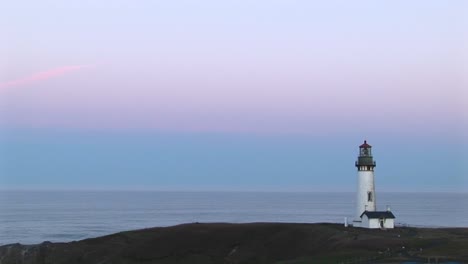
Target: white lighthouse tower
x,y
365,199
366,214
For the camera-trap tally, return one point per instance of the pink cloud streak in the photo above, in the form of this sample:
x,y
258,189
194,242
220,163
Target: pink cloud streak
x,y
41,76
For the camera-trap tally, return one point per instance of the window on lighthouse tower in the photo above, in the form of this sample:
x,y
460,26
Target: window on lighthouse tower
x,y
369,196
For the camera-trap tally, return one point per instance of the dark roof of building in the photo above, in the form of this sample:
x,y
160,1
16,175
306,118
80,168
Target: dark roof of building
x,y
365,145
378,214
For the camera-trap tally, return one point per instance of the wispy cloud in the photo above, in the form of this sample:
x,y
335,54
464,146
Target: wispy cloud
x,y
41,76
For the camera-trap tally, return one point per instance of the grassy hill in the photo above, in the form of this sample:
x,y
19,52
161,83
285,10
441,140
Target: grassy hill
x,y
284,243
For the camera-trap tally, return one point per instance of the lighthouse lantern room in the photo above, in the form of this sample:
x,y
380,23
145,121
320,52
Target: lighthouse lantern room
x,y
366,214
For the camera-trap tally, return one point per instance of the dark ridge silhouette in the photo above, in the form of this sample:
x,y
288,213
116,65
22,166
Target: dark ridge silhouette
x,y
284,243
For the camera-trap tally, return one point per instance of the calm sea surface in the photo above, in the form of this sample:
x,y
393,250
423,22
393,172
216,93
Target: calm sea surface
x,y
36,216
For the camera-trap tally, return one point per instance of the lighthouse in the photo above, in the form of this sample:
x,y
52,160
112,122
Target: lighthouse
x,y
365,199
366,214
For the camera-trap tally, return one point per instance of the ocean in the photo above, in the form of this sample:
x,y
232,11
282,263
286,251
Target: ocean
x,y
30,217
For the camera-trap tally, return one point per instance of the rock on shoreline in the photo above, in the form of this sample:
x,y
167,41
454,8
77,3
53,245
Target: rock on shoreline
x,y
251,243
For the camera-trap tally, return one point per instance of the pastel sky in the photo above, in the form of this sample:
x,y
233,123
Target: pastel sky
x,y
233,95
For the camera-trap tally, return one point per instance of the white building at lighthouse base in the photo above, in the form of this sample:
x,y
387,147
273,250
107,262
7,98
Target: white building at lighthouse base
x,y
376,219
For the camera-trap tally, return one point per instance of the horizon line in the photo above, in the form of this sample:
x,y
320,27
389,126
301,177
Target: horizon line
x,y
212,190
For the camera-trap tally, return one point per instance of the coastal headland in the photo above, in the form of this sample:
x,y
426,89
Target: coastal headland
x,y
284,243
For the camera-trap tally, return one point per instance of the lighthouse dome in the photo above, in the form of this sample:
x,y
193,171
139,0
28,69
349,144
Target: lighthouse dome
x,y
365,145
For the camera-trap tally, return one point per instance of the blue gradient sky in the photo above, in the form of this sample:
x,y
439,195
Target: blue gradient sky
x,y
264,95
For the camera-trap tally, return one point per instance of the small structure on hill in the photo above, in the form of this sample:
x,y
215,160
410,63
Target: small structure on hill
x,y
377,219
367,215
